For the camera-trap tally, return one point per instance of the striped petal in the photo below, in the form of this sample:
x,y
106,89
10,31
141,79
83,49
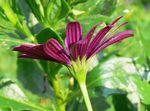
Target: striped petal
x,y
29,56
56,51
87,39
23,48
114,39
100,35
77,49
32,51
91,32
113,32
73,34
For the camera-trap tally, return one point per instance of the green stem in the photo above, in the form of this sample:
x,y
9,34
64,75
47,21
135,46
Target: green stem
x,y
85,96
61,105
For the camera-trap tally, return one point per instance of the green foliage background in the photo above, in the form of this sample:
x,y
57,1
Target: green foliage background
x,y
118,79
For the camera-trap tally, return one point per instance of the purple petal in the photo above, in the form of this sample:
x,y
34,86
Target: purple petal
x,y
114,39
73,34
38,51
76,49
28,56
100,35
83,47
23,48
111,33
56,51
91,32
87,39
36,57
32,51
116,20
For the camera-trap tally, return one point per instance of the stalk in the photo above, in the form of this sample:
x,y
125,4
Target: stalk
x,y
61,105
85,96
79,70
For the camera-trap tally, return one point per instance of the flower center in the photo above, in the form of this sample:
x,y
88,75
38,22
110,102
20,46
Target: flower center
x,y
78,69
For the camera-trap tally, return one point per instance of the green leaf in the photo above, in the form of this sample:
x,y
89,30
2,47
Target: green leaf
x,y
93,78
19,105
41,10
8,42
27,77
104,7
113,75
46,34
122,103
31,76
5,83
30,79
10,56
143,89
95,19
51,68
54,68
65,8
5,25
10,13
75,2
5,109
36,9
97,7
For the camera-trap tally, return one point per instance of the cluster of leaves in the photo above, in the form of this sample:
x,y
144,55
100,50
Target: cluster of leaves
x,y
112,85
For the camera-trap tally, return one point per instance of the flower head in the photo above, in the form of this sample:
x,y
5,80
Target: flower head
x,y
76,47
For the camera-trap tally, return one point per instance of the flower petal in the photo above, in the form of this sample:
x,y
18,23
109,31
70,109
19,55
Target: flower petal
x,y
23,48
112,32
116,20
87,39
32,51
28,56
56,51
91,32
76,49
114,39
100,35
73,34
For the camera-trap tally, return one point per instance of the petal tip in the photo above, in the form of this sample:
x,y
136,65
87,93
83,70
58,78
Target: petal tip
x,y
16,48
116,20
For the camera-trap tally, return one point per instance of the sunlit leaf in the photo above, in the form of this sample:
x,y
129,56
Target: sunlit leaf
x,y
143,89
46,34
19,105
104,7
36,9
95,19
75,2
65,8
5,109
8,42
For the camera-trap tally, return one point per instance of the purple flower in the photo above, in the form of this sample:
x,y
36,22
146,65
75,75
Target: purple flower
x,y
76,47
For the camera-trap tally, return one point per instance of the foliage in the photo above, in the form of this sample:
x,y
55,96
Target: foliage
x,y
118,77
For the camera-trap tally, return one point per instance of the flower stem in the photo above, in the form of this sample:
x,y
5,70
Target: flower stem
x,y
85,96
61,105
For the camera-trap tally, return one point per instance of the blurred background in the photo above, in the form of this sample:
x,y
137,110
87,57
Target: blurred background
x,y
119,76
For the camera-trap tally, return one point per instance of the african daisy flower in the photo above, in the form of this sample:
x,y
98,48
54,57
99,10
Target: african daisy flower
x,y
76,45
77,50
